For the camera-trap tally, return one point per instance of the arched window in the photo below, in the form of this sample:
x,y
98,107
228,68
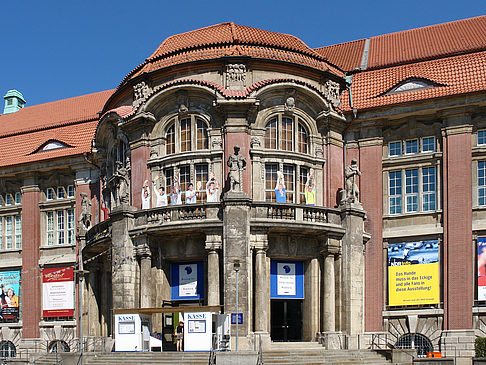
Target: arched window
x,y
302,139
271,134
415,341
201,135
286,134
58,346
7,349
170,140
185,134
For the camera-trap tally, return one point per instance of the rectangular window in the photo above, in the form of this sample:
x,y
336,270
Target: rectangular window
x,y
184,177
270,181
428,189
70,226
70,191
395,192
50,193
8,233
271,134
289,179
185,134
50,228
202,177
60,227
8,199
411,146
169,181
18,231
18,198
395,148
201,135
287,134
1,233
60,192
304,172
411,190
481,137
428,144
482,182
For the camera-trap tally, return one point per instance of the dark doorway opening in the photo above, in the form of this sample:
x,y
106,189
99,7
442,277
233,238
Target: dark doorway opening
x,y
286,321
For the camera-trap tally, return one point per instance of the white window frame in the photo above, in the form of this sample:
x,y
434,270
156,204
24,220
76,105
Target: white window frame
x,y
481,187
389,148
60,227
422,144
478,137
405,146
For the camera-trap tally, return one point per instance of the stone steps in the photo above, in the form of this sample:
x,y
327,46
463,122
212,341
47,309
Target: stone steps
x,y
321,356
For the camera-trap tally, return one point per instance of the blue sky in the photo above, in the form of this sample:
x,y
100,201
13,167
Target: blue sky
x,y
52,50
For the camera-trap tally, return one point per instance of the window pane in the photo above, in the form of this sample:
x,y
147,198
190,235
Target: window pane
x,y
60,192
411,146
8,199
201,135
428,144
18,198
395,192
411,189
70,226
304,172
60,227
271,134
170,140
185,134
287,132
201,181
18,231
395,148
70,191
50,228
50,193
1,234
428,188
302,139
8,232
289,179
184,177
481,137
270,181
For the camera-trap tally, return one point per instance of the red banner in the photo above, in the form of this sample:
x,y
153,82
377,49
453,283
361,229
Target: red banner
x,y
58,292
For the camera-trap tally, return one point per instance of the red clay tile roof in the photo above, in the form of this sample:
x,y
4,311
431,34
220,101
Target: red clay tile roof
x,y
229,39
458,74
347,56
71,121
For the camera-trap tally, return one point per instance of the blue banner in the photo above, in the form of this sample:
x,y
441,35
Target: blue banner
x,y
187,280
286,279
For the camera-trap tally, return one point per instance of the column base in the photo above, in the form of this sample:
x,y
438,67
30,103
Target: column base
x,y
265,339
458,343
332,340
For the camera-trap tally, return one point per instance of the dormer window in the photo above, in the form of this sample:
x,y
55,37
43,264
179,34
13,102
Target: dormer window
x,y
51,146
410,85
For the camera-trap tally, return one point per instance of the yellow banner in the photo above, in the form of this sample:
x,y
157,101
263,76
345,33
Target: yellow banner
x,y
413,284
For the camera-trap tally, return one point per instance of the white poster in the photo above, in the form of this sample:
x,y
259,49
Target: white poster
x,y
188,280
58,295
285,278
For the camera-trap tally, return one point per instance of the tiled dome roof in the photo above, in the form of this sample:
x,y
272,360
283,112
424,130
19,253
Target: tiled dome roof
x,y
229,39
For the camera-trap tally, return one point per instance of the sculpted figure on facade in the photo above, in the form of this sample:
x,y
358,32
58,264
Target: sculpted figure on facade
x,y
351,194
331,91
235,76
237,164
290,101
140,92
122,184
84,220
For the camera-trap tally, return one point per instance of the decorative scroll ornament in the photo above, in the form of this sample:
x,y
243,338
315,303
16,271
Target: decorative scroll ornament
x,y
217,143
235,76
290,101
331,91
255,142
140,92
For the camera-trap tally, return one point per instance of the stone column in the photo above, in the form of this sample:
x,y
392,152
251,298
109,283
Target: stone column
x,y
261,290
105,304
213,247
92,289
311,299
142,250
329,303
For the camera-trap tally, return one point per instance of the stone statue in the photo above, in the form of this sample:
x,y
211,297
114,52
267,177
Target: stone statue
x,y
122,184
85,216
351,194
237,164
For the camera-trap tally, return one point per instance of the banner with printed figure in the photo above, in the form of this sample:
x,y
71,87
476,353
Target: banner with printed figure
x,y
10,295
482,268
413,273
58,292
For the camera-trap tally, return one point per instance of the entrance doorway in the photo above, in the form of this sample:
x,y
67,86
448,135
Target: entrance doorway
x,y
286,320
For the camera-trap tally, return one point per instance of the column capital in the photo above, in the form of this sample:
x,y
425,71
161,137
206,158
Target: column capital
x,y
213,241
331,247
143,251
259,240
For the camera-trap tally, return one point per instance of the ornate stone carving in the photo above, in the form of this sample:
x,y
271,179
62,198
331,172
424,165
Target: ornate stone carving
x,y
289,100
235,76
351,194
183,104
84,221
237,164
217,143
319,151
255,142
140,92
331,92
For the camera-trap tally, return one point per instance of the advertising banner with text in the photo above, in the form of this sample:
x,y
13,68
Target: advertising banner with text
x,y
413,273
58,292
187,280
482,268
10,295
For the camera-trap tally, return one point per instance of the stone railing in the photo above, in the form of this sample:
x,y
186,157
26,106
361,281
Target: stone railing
x,y
100,231
178,213
295,212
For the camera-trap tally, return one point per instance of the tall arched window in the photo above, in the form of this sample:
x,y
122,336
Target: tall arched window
x,y
170,140
302,139
201,135
280,134
185,134
7,349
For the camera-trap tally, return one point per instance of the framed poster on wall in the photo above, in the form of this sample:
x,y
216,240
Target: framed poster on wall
x,y
286,279
187,280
